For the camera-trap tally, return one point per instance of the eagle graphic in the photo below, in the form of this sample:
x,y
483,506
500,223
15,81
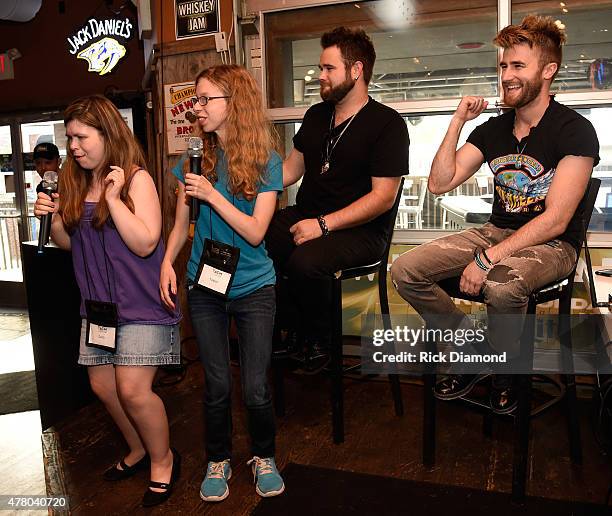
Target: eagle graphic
x,y
103,55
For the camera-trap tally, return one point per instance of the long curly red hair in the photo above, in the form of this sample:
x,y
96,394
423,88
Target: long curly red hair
x,y
250,138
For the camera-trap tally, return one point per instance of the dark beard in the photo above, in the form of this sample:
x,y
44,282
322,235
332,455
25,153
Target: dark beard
x,y
531,89
336,93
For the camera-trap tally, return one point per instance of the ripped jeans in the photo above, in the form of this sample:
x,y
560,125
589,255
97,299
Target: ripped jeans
x,y
506,288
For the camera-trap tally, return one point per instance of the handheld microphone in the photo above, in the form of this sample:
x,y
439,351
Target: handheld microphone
x,y
191,117
49,183
195,167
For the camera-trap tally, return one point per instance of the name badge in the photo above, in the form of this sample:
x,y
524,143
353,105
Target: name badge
x,y
102,323
217,267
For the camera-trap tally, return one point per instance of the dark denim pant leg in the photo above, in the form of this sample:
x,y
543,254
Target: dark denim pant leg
x,y
254,316
210,319
310,266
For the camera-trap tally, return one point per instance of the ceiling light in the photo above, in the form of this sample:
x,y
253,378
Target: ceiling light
x,y
307,78
416,60
311,72
470,45
564,10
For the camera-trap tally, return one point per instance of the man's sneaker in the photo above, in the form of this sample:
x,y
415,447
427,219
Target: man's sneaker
x,y
214,487
268,482
503,396
456,385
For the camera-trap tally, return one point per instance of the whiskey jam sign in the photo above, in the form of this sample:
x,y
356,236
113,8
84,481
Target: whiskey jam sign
x,y
196,18
101,43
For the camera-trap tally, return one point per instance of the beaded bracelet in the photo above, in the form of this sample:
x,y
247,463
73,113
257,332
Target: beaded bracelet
x,y
478,260
483,252
323,225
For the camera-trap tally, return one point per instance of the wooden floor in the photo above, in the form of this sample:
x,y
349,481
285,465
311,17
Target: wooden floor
x,y
377,442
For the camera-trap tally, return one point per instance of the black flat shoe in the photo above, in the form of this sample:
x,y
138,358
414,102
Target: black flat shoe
x,y
113,473
152,498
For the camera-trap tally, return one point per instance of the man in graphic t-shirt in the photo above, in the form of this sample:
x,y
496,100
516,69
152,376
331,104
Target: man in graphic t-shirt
x,y
541,154
350,153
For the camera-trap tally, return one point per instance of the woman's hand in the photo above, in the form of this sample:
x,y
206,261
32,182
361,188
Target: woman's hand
x,y
198,186
45,204
114,182
167,284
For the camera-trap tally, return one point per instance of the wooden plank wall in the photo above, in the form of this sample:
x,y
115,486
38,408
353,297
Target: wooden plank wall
x,y
169,69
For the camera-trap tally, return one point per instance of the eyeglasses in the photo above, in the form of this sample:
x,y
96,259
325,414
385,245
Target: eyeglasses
x,y
203,100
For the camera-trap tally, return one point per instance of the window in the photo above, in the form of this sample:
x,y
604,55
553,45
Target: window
x,y
10,257
601,219
425,50
428,55
587,55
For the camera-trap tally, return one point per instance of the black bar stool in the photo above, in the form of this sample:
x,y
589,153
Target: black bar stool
x,y
336,367
562,291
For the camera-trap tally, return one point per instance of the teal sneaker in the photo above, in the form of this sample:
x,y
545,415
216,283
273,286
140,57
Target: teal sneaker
x,y
214,487
268,482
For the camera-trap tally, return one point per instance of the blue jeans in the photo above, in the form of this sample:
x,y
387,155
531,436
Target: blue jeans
x,y
254,317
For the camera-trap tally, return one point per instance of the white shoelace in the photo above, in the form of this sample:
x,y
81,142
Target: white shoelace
x,y
263,466
216,470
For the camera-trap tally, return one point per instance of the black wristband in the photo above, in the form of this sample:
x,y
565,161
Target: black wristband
x,y
323,225
486,257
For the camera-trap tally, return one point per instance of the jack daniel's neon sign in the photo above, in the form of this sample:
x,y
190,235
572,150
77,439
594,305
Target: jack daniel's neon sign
x,y
98,42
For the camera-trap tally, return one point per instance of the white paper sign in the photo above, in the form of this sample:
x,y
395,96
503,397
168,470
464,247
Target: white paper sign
x,y
178,100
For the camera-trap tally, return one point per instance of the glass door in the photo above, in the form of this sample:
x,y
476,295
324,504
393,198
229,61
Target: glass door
x,y
31,135
10,257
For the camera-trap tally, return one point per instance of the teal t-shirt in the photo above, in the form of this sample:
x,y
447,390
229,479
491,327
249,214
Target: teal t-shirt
x,y
255,268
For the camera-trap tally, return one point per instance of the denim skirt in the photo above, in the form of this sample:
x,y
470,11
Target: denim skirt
x,y
137,345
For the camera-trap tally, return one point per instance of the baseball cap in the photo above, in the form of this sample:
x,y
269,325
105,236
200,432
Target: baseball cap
x,y
46,150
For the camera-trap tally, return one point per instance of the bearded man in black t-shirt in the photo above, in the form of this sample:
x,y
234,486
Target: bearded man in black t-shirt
x,y
542,155
350,153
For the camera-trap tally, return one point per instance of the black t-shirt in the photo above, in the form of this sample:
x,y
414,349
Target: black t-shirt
x,y
524,170
374,145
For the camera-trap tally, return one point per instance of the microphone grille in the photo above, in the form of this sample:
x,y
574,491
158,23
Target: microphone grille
x,y
196,144
50,176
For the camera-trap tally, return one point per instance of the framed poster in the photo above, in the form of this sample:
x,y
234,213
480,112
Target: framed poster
x,y
195,18
178,100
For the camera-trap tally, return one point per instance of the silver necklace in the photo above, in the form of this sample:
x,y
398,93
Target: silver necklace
x,y
519,160
332,142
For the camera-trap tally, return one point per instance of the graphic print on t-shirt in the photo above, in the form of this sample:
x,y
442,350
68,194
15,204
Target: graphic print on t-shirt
x,y
521,183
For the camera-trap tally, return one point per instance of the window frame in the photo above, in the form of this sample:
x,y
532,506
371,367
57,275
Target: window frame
x,y
585,99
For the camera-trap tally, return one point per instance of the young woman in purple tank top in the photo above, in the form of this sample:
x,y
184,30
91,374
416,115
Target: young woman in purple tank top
x,y
107,213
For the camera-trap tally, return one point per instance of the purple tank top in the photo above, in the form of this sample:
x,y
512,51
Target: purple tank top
x,y
133,281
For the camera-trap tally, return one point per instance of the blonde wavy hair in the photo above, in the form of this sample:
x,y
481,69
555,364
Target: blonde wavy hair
x,y
120,149
250,137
